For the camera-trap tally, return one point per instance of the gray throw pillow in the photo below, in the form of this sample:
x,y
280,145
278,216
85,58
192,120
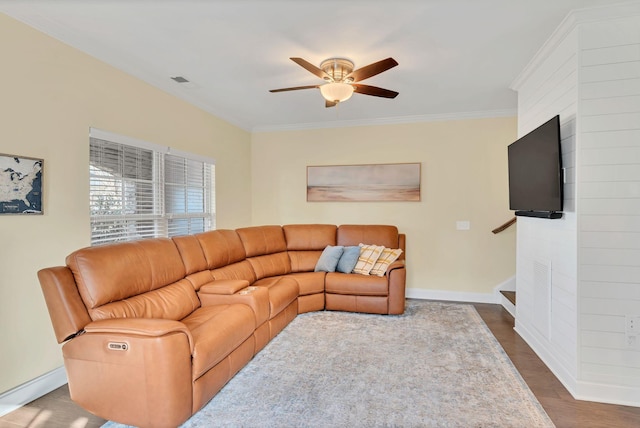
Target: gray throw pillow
x,y
348,259
329,259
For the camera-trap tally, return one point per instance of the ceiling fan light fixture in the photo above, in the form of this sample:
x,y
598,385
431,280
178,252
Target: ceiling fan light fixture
x,y
336,92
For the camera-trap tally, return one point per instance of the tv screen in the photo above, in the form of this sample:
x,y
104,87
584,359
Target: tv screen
x,y
535,172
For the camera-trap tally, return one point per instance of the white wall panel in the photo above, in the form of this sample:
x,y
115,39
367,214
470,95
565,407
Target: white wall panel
x,y
606,374
617,138
609,173
611,88
609,240
608,256
590,76
607,122
609,55
609,71
609,204
595,289
625,201
624,104
551,89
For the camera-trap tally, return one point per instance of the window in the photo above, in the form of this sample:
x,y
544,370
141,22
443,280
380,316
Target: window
x,y
142,190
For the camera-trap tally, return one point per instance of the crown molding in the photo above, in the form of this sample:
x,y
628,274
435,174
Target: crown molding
x,y
569,23
389,120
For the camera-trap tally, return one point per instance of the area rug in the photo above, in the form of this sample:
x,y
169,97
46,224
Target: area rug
x,y
438,365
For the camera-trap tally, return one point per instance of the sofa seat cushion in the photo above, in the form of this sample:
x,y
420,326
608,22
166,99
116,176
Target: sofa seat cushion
x,y
217,331
309,282
360,285
282,291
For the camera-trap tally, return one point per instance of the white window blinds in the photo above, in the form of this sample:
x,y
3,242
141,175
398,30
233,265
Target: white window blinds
x,y
140,190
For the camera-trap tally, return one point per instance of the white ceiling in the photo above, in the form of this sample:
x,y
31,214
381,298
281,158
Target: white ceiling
x,y
456,58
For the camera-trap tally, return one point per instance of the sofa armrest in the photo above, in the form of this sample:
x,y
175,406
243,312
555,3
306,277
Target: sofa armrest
x,y
397,284
67,310
398,264
224,286
150,327
132,370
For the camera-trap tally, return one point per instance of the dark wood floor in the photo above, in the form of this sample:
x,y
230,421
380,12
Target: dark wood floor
x,y
561,407
57,410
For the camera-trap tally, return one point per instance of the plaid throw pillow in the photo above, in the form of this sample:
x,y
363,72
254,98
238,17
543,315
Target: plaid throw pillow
x,y
368,256
387,257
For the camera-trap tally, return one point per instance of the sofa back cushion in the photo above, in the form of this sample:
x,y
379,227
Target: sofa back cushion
x,y
174,302
307,237
266,250
239,270
305,243
221,247
387,236
118,272
191,253
262,240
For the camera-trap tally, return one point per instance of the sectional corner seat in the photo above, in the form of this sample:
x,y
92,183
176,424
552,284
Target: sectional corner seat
x,y
153,329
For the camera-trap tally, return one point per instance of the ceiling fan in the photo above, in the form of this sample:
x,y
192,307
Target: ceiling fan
x,y
341,79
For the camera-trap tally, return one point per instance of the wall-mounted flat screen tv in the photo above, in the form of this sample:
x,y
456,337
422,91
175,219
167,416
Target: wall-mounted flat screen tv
x,y
535,172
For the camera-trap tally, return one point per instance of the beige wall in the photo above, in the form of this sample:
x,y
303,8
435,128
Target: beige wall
x,y
464,177
50,95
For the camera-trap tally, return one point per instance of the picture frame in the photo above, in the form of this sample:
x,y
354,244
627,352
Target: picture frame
x,y
20,185
392,182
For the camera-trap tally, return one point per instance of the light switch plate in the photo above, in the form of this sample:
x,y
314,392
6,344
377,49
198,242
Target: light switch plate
x,y
463,225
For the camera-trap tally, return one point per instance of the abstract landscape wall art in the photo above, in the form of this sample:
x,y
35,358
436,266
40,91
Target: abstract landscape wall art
x,y
373,183
20,185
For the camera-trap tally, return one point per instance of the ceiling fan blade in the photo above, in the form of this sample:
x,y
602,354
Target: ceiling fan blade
x,y
371,69
330,104
295,88
310,67
374,90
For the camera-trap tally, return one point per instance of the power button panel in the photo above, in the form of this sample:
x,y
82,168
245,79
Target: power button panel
x,y
118,346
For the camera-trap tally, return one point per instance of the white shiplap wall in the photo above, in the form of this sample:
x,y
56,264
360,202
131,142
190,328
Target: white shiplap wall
x,y
589,73
546,261
609,208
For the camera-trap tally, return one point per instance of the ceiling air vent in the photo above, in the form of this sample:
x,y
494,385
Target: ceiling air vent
x,y
180,79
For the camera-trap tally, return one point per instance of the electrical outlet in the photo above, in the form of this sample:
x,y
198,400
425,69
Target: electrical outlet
x,y
632,325
632,331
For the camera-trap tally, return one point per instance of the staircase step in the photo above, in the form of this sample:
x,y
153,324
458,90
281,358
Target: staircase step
x,y
510,295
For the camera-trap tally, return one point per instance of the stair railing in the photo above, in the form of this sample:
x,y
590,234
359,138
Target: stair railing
x,y
504,226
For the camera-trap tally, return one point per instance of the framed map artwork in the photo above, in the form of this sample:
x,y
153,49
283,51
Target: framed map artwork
x,y
20,185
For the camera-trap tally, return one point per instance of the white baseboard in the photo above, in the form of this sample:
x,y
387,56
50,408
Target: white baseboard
x,y
507,285
562,373
599,392
454,296
31,390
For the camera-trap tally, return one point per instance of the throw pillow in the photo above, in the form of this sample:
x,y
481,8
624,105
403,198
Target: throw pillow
x,y
348,259
329,259
368,256
387,257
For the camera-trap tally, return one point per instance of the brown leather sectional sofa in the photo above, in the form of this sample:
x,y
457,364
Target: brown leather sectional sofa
x,y
155,328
